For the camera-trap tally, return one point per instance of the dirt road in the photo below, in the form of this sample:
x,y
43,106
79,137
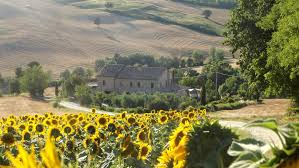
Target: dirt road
x,y
269,108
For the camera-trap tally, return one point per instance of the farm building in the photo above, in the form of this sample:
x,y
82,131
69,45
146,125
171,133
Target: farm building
x,y
122,78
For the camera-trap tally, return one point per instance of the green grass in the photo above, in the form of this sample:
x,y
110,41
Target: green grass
x,y
144,11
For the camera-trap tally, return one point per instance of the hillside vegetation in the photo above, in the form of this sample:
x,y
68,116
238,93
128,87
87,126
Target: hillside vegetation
x,y
62,35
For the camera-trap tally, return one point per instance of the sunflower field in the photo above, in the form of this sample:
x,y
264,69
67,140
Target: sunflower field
x,y
156,139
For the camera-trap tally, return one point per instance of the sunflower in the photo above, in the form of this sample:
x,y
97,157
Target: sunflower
x,y
112,127
144,150
87,141
22,126
8,139
166,159
73,121
126,141
131,120
91,129
128,150
102,121
47,122
93,110
203,112
185,120
49,155
177,136
142,136
163,119
26,136
39,128
23,160
124,114
67,129
55,132
191,115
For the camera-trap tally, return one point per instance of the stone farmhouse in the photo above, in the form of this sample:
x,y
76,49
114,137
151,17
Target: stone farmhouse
x,y
122,78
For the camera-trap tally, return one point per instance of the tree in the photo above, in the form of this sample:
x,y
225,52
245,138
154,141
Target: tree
x,y
19,72
14,86
189,62
66,74
56,89
207,13
246,37
283,48
33,63
109,5
189,81
229,87
183,63
1,79
83,94
97,22
35,81
198,57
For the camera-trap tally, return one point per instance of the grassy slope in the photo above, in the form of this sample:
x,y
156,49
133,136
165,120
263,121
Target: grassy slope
x,y
62,36
148,11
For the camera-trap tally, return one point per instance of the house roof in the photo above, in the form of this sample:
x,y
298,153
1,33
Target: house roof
x,y
130,72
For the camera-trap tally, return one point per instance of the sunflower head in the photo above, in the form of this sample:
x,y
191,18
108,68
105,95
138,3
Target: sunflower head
x,y
102,121
144,151
39,128
8,139
68,129
142,136
55,132
163,119
90,129
26,136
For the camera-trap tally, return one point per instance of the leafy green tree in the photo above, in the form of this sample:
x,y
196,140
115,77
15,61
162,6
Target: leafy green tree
x,y
207,13
250,41
66,74
211,92
283,48
19,72
83,94
198,57
35,81
189,81
33,63
229,87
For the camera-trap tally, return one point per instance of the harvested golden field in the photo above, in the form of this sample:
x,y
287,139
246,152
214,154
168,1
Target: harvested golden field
x,y
64,36
20,105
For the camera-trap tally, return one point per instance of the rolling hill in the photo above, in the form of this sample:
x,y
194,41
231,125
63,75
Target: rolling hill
x,y
61,34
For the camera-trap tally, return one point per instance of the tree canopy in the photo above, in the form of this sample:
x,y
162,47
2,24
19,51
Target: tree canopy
x,y
250,41
283,48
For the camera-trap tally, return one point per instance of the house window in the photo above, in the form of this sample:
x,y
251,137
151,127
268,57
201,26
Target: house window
x,y
104,82
131,84
152,85
138,84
